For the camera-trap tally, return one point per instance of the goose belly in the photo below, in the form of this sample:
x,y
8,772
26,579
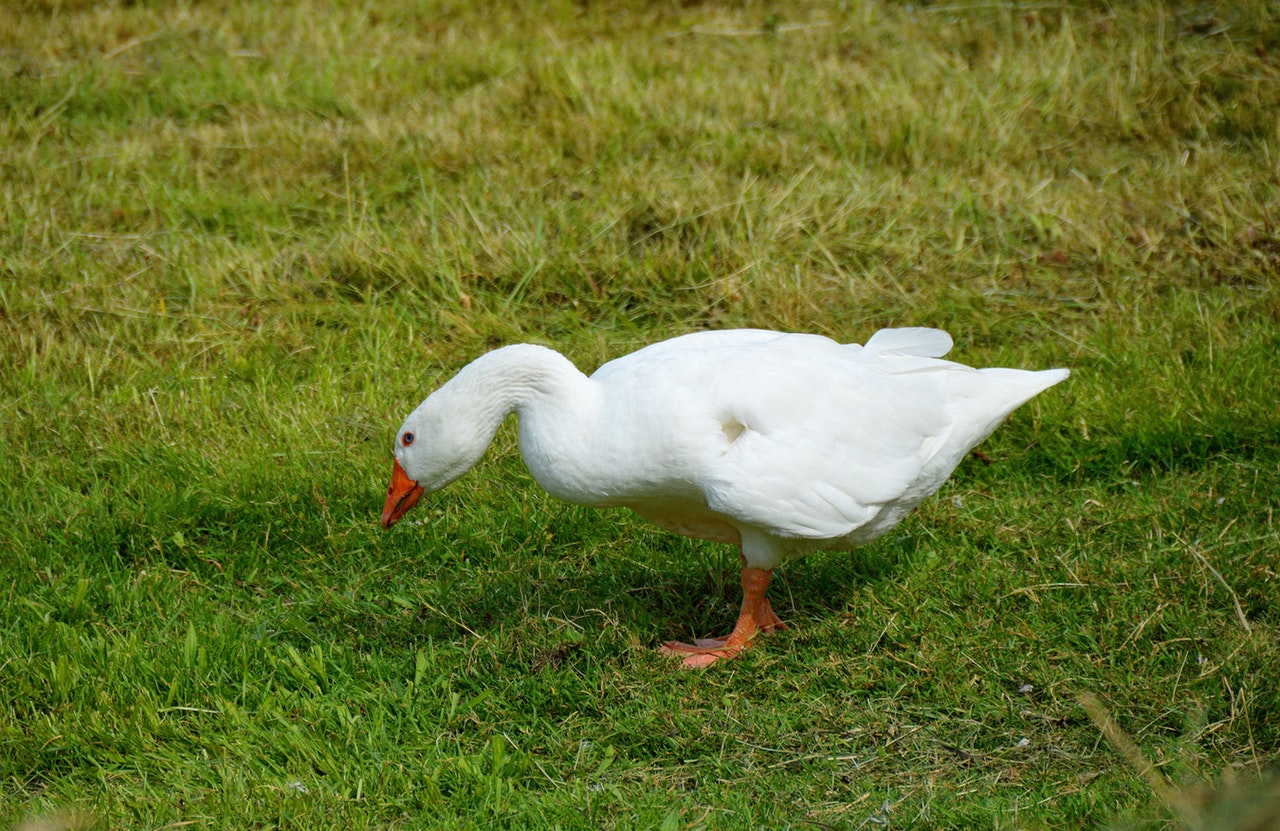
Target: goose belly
x,y
689,520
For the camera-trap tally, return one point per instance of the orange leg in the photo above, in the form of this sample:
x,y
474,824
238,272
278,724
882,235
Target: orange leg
x,y
768,620
757,615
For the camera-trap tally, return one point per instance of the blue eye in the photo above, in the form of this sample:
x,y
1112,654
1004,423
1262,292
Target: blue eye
x,y
406,439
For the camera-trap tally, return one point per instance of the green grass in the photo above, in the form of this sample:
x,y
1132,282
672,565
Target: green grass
x,y
240,241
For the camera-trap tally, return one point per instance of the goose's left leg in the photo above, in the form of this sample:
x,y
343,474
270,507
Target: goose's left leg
x,y
756,615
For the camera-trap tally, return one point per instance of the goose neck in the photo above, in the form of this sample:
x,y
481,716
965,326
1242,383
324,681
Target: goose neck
x,y
510,379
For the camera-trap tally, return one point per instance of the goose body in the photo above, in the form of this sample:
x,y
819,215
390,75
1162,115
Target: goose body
x,y
779,443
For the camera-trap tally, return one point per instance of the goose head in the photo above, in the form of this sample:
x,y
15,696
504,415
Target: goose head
x,y
439,441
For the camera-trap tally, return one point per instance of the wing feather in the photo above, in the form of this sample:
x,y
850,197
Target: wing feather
x,y
823,471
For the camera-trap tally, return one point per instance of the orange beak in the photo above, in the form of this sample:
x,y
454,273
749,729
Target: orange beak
x,y
403,494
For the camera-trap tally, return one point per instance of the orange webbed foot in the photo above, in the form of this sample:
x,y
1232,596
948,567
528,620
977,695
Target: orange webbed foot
x,y
757,615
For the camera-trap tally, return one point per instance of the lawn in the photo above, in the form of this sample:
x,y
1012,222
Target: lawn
x,y
240,241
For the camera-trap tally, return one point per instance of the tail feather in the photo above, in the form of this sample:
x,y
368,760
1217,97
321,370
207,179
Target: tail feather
x,y
916,341
1019,385
1032,382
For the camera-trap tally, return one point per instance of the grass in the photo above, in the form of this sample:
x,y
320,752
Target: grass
x,y
240,241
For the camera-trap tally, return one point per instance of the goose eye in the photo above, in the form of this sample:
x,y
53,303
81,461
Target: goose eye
x,y
406,439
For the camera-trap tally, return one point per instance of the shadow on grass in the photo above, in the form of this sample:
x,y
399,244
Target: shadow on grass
x,y
553,598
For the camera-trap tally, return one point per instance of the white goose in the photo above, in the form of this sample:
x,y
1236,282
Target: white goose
x,y
779,443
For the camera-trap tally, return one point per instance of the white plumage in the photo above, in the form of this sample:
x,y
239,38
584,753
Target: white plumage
x,y
781,443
